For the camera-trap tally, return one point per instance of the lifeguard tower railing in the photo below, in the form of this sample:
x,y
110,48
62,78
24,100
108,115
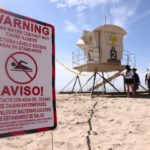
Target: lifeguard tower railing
x,y
79,58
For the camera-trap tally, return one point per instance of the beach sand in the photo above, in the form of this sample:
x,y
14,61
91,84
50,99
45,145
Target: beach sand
x,y
100,123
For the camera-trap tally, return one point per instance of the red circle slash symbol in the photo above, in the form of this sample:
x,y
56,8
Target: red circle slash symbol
x,y
21,68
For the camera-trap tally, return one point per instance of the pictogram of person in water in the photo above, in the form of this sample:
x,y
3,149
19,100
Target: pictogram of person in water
x,y
20,66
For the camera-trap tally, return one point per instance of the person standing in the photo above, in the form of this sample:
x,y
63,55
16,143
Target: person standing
x,y
147,79
129,81
136,80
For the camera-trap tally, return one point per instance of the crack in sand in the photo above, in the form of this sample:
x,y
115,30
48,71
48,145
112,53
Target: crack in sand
x,y
90,127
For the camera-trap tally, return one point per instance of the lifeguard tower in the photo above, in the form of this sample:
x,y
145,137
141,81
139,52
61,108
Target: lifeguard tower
x,y
103,49
102,52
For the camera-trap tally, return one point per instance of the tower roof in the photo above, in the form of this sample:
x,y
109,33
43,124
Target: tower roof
x,y
111,27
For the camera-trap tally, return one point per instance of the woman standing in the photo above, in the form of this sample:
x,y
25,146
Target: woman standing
x,y
129,81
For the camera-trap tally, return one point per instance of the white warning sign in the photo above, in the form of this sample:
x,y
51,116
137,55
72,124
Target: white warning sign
x,y
27,82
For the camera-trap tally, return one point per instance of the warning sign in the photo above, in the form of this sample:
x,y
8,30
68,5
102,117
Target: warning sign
x,y
27,89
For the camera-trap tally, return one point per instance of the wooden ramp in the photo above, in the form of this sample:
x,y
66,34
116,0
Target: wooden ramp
x,y
108,80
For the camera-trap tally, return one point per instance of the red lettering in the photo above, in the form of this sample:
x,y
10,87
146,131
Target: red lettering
x,y
45,31
5,91
14,90
20,90
27,90
37,29
24,24
17,23
42,91
36,90
32,27
7,21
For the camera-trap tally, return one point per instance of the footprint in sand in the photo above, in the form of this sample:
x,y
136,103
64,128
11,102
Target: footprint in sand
x,y
59,144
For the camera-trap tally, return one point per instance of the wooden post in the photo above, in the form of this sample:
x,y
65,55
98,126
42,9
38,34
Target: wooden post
x,y
80,83
74,83
104,82
93,83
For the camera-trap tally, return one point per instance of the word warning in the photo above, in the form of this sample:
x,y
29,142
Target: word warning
x,y
27,83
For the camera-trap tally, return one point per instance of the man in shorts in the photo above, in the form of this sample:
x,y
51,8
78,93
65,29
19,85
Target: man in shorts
x,y
147,79
136,80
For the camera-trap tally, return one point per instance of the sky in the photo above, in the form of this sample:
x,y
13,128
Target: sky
x,y
71,17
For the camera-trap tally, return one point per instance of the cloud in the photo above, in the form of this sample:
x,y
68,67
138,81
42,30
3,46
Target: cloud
x,y
120,12
76,3
139,17
73,28
120,15
81,5
70,27
124,12
80,10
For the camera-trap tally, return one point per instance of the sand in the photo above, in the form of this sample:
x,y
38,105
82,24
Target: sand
x,y
100,123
